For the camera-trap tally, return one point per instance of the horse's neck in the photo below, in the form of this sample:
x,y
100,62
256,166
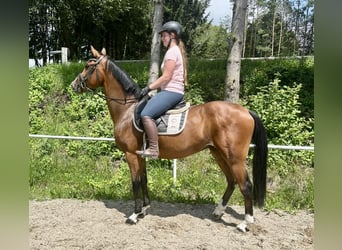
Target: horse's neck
x,y
116,96
119,112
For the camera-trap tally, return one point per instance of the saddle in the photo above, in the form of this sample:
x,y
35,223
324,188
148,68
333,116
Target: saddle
x,y
170,123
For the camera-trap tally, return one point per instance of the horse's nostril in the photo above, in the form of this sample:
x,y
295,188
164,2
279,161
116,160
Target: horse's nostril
x,y
74,86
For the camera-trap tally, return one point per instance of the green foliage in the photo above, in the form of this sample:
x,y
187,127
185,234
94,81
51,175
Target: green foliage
x,y
296,191
55,109
138,71
210,42
279,109
258,73
206,80
60,175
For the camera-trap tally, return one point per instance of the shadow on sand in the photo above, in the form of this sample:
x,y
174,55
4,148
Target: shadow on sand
x,y
163,209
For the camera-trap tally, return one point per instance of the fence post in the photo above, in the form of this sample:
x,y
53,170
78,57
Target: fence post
x,y
65,53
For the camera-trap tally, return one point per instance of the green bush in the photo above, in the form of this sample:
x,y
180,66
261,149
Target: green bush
x,y
255,74
278,107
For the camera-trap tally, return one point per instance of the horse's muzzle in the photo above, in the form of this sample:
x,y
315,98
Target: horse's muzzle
x,y
75,87
79,85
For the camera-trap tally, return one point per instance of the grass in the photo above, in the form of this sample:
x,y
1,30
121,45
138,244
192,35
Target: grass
x,y
199,180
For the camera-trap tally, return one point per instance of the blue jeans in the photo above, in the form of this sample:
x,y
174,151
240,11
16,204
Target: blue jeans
x,y
160,103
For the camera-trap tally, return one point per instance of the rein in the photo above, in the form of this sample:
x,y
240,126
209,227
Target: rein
x,y
83,84
122,101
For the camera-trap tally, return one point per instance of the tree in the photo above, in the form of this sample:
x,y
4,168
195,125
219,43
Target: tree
x,y
210,41
155,45
42,36
190,14
232,80
280,27
122,26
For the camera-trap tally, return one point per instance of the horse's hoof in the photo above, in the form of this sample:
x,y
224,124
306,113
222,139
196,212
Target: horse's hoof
x,y
219,211
130,222
133,219
217,216
242,227
140,216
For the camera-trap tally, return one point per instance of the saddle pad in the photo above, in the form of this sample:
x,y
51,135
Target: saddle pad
x,y
179,110
169,124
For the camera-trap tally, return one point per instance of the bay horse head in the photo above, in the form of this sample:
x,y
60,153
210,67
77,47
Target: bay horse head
x,y
100,71
92,75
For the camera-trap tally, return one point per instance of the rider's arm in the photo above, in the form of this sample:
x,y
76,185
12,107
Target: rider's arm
x,y
169,68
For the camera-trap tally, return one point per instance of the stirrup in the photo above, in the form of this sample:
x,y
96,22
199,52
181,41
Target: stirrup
x,y
147,153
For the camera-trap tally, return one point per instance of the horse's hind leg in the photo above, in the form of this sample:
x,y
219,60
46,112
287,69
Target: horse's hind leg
x,y
235,172
220,208
241,178
246,190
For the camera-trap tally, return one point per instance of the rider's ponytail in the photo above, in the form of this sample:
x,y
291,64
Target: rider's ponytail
x,y
185,61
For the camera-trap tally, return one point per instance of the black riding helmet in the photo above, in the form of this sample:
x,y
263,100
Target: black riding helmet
x,y
172,26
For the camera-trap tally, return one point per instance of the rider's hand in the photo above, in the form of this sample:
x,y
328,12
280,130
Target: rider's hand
x,y
144,92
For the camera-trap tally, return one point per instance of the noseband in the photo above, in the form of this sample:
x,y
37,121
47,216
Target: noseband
x,y
83,79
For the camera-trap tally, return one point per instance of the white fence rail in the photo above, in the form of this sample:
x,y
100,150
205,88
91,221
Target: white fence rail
x,y
112,139
72,137
174,161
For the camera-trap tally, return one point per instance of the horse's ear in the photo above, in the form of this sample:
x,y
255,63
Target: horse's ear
x,y
103,51
94,51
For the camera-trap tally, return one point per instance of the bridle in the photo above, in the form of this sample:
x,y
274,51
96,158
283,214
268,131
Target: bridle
x,y
83,79
83,83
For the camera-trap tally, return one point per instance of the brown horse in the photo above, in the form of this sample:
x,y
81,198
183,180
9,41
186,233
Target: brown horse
x,y
225,128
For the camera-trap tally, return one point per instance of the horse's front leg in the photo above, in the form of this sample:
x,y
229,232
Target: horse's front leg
x,y
137,167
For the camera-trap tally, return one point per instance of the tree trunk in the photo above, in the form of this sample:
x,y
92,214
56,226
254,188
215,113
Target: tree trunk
x,y
245,33
234,59
273,31
282,11
295,45
155,46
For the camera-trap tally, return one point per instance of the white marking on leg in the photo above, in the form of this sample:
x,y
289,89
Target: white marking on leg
x,y
249,219
242,226
133,218
144,209
218,212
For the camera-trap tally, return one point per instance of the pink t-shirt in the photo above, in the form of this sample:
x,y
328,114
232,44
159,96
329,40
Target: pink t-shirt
x,y
176,84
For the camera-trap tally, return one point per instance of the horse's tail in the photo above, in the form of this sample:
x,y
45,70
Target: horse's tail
x,y
259,160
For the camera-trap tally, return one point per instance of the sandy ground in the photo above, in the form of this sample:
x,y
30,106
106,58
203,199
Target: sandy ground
x,y
74,224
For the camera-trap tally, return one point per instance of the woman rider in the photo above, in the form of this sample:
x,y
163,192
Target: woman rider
x,y
171,84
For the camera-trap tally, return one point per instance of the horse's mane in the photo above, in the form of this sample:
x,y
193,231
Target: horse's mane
x,y
123,78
